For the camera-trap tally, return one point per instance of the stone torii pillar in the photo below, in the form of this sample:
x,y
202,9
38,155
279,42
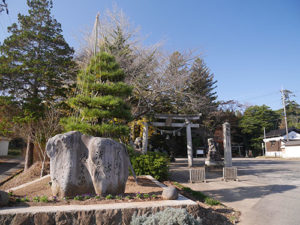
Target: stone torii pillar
x,y
189,143
145,138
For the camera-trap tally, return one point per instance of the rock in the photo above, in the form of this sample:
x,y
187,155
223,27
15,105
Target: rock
x,y
81,164
170,193
4,198
108,164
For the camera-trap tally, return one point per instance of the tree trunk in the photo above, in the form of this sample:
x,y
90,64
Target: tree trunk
x,y
43,165
29,153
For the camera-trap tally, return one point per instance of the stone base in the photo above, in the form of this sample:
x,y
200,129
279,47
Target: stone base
x,y
197,175
230,173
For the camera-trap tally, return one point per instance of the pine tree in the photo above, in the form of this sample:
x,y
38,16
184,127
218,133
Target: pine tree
x,y
36,66
36,62
100,105
202,85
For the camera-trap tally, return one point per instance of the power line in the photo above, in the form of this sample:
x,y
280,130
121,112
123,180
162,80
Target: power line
x,y
245,98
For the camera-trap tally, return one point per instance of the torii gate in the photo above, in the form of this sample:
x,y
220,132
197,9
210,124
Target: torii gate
x,y
169,123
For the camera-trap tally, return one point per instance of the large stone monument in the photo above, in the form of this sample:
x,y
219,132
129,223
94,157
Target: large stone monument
x,y
227,145
81,164
213,156
229,172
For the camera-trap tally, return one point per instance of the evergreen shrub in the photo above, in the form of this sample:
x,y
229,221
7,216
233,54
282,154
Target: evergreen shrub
x,y
153,163
169,216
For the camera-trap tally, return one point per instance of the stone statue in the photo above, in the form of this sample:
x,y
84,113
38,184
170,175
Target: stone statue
x,y
81,164
138,144
213,156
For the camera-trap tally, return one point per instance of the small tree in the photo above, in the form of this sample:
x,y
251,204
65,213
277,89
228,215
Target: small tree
x,y
99,105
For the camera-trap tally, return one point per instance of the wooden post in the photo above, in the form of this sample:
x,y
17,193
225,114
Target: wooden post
x,y
189,143
145,137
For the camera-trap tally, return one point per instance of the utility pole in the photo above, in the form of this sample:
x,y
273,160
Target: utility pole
x,y
265,145
284,111
96,34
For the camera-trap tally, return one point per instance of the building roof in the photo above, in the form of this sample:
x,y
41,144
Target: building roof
x,y
293,143
281,132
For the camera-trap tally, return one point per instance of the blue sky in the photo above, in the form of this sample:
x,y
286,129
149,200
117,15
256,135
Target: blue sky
x,y
252,47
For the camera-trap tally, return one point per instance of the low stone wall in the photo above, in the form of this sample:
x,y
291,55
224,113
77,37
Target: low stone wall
x,y
110,214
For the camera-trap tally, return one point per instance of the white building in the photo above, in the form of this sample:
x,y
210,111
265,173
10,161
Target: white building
x,y
4,146
292,149
276,144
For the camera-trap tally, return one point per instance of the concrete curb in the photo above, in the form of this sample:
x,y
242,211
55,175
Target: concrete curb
x,y
116,206
181,201
29,183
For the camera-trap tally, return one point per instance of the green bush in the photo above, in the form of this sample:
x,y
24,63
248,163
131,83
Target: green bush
x,y
44,199
170,216
154,196
109,196
146,195
36,199
78,198
118,197
153,163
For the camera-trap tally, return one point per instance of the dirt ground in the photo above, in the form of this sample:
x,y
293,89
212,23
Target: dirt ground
x,y
144,186
31,174
43,188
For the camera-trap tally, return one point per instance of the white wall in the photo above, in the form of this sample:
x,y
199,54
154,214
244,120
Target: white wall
x,y
274,154
291,152
4,147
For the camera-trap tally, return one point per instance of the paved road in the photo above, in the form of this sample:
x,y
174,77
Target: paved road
x,y
9,166
268,191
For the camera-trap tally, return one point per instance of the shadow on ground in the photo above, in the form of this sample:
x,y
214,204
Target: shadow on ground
x,y
241,193
6,166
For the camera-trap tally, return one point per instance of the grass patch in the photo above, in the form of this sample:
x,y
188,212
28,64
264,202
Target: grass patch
x,y
211,201
198,195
